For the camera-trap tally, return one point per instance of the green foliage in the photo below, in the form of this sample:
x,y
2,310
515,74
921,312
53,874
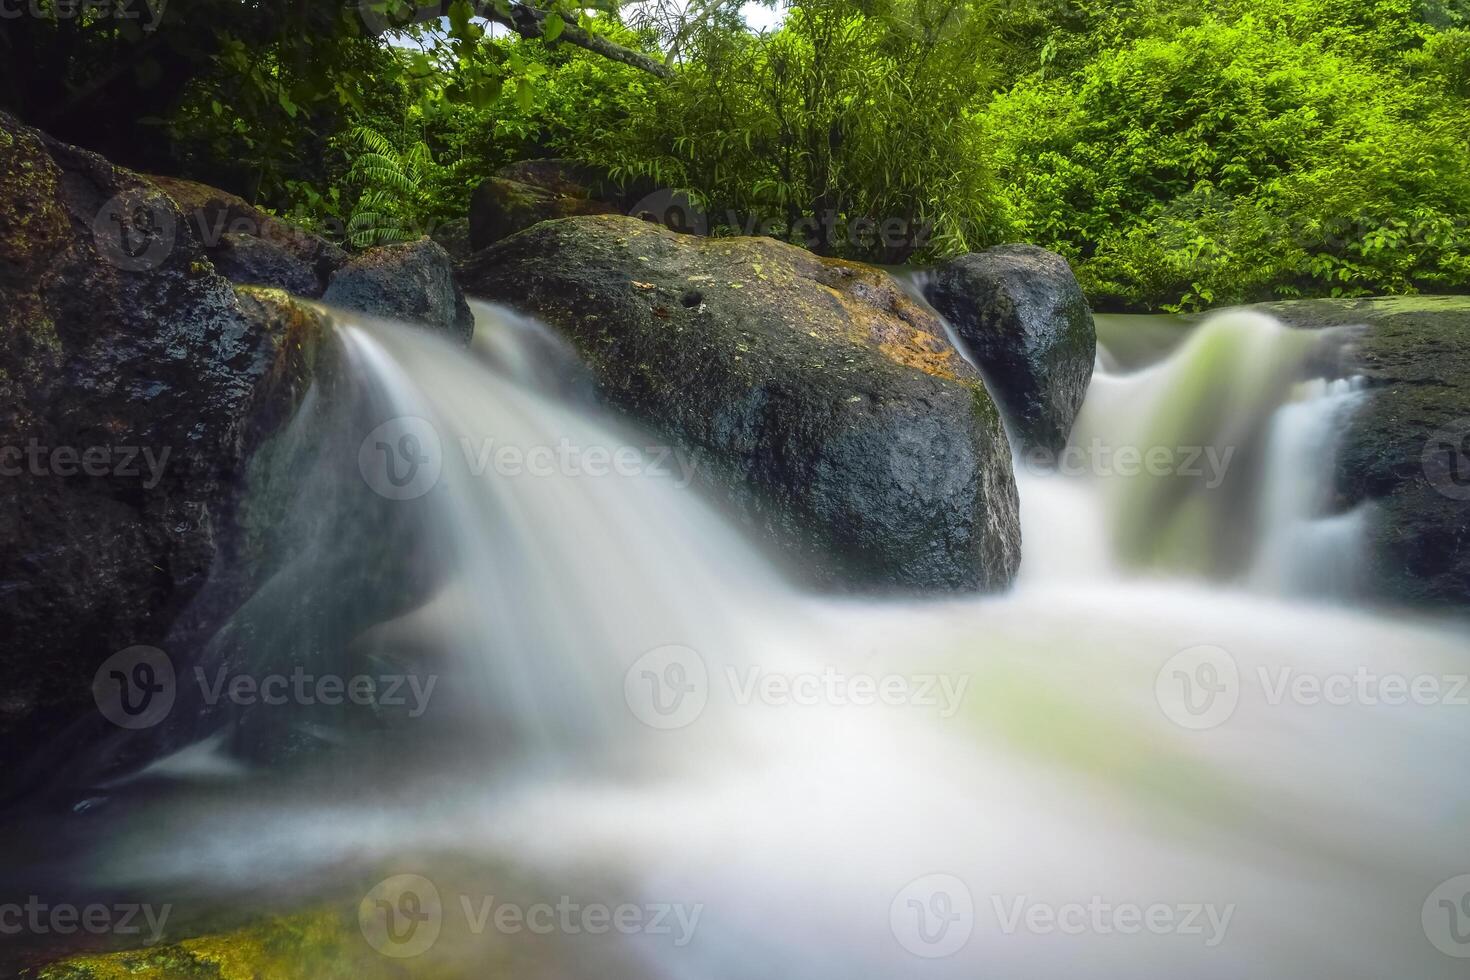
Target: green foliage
x,y
1180,153
851,116
393,189
1228,162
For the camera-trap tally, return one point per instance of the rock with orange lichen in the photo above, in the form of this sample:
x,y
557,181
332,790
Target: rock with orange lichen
x,y
823,403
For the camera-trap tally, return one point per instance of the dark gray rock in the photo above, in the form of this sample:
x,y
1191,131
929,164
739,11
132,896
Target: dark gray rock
x,y
820,400
413,281
501,206
135,383
250,261
1021,315
454,236
248,246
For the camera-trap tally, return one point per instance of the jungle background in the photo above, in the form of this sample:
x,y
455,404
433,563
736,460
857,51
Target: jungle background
x,y
1181,154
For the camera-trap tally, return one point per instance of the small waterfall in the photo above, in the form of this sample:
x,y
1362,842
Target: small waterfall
x,y
1036,774
1204,462
1305,547
569,546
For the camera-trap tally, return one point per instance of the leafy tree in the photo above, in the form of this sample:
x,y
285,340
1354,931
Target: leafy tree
x,y
848,129
1228,162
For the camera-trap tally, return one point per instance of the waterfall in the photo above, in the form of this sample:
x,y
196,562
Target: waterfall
x,y
1305,547
1214,460
643,714
570,545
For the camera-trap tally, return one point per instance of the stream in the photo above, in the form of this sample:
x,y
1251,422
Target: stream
x,y
1184,744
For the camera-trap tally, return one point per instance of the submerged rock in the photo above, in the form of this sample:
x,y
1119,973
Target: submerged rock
x,y
134,383
248,246
413,281
1406,453
314,943
818,398
1020,313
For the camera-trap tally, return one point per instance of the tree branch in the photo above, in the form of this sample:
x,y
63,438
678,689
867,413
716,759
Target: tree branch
x,y
527,21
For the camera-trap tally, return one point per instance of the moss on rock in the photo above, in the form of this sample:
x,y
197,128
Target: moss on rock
x,y
820,399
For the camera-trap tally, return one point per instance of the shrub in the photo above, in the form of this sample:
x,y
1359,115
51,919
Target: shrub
x,y
1229,163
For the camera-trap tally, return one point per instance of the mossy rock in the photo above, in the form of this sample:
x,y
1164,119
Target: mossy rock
x,y
821,401
313,945
121,340
501,206
248,246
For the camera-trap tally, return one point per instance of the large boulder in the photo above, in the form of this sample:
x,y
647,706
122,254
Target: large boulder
x,y
134,383
454,236
560,176
1021,315
816,396
248,246
502,206
1406,452
413,281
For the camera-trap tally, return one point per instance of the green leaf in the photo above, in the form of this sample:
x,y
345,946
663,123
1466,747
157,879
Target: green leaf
x,y
460,13
552,27
485,92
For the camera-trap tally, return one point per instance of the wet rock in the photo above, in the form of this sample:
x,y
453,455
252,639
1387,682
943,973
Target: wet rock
x,y
820,400
413,281
248,246
565,178
134,382
1021,315
252,261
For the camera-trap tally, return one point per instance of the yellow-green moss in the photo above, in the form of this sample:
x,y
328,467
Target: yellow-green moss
x,y
288,948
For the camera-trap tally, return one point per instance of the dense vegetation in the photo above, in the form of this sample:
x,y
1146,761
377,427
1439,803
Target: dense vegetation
x,y
1179,153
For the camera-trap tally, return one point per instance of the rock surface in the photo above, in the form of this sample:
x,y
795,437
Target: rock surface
x,y
563,177
503,206
817,397
1021,315
248,246
1407,451
454,236
133,382
413,281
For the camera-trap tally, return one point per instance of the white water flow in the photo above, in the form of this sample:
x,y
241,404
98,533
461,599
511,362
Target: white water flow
x,y
1118,769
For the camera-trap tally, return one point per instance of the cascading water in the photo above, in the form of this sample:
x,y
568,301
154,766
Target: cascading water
x,y
1097,774
1215,460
